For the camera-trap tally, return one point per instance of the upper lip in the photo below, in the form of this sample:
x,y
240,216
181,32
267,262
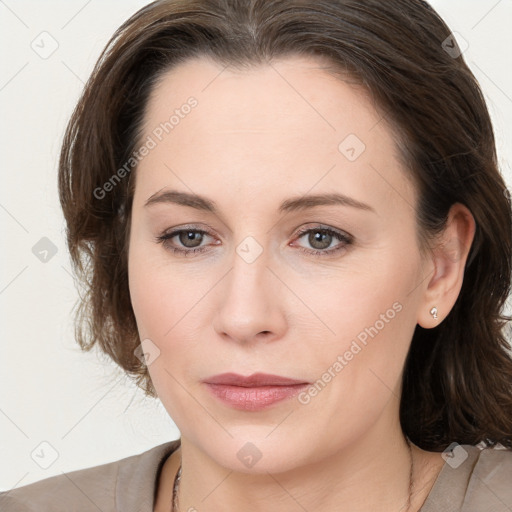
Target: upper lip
x,y
254,380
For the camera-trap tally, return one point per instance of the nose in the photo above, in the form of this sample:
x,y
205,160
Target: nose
x,y
250,304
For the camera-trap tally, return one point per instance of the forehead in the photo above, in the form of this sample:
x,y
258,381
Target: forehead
x,y
286,122
265,97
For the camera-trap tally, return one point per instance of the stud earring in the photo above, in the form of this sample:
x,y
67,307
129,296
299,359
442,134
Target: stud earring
x,y
433,312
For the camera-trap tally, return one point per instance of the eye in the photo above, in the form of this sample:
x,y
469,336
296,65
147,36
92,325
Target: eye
x,y
189,239
321,238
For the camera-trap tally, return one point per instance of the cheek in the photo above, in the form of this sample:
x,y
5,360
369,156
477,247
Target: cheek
x,y
358,374
159,293
163,307
371,316
150,296
168,302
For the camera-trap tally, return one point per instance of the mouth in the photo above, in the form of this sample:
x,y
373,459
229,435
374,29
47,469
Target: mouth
x,y
254,392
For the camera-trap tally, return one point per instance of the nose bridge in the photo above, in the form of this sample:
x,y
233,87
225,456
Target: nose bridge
x,y
248,287
249,304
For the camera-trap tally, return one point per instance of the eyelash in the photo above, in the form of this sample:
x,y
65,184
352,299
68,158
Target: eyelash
x,y
345,238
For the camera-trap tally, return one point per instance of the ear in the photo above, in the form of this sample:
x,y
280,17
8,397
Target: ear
x,y
448,260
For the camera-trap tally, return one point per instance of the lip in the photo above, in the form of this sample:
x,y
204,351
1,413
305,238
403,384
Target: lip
x,y
253,392
251,381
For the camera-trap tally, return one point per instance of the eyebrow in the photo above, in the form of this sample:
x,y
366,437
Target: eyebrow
x,y
293,204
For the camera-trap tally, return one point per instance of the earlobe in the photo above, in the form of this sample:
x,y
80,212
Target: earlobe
x,y
449,258
432,320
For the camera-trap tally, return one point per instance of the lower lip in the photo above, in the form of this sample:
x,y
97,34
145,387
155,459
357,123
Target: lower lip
x,y
254,398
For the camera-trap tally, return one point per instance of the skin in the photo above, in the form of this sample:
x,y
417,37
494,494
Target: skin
x,y
257,137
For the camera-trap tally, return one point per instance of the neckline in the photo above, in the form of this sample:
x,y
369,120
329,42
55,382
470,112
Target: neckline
x,y
447,492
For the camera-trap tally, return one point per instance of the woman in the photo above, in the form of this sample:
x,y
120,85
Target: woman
x,y
293,232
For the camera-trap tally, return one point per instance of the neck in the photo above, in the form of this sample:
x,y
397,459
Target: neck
x,y
373,473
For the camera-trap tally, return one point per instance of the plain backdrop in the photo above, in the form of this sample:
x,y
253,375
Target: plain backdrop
x,y
61,409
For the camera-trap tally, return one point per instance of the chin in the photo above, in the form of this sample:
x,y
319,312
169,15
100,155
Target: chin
x,y
252,450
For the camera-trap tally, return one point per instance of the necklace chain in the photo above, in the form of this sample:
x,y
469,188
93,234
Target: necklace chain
x,y
175,506
177,478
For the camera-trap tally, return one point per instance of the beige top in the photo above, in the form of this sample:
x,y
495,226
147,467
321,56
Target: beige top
x,y
481,483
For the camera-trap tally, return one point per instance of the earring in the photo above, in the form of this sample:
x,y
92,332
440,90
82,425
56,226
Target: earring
x,y
433,312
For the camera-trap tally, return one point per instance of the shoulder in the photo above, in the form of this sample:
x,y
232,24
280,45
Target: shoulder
x,y
106,487
473,479
490,485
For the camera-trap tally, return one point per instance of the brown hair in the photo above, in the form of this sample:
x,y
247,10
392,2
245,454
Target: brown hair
x,y
457,382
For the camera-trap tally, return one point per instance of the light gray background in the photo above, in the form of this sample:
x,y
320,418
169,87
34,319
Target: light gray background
x,y
51,392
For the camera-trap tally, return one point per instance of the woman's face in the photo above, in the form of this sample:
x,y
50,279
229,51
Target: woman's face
x,y
286,183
